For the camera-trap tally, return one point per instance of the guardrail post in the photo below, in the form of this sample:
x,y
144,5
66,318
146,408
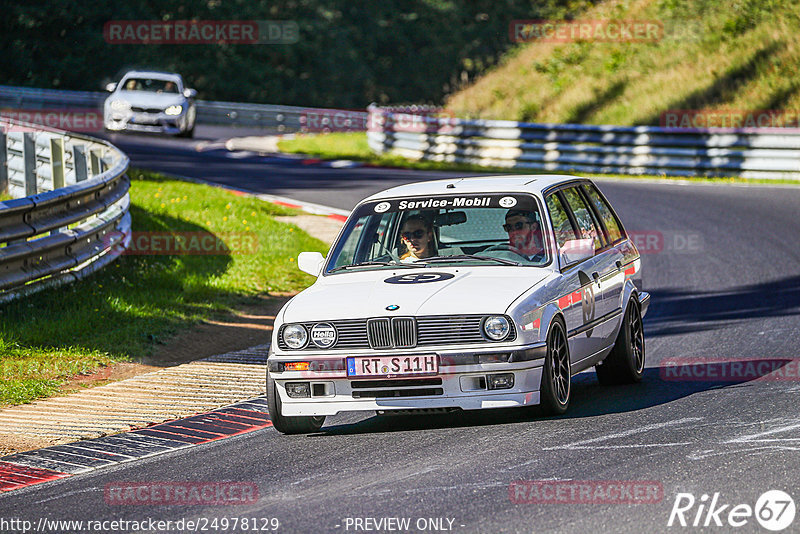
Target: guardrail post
x,y
94,158
57,161
29,160
3,163
106,163
79,162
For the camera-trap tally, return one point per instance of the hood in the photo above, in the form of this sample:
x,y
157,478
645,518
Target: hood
x,y
472,290
146,99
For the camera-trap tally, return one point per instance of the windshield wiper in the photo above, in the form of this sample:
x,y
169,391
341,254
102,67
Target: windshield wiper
x,y
459,257
371,263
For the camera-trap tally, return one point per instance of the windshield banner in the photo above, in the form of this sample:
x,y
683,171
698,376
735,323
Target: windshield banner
x,y
504,201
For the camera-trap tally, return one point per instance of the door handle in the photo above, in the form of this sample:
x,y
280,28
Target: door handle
x,y
619,265
596,277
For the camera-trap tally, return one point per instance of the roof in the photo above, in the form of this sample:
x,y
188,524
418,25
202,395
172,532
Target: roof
x,y
528,183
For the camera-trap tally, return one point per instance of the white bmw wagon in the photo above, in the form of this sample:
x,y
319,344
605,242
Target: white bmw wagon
x,y
461,294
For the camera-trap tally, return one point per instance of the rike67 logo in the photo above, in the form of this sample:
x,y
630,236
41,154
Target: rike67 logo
x,y
774,510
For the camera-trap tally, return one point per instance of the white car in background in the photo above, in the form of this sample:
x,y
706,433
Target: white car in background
x,y
517,284
150,101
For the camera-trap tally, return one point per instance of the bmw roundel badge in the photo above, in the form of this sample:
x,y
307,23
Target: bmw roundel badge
x,y
392,307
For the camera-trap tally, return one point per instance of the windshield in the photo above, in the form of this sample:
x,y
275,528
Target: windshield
x,y
150,84
488,229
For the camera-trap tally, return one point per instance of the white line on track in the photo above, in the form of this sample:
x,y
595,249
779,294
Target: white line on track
x,y
588,443
760,436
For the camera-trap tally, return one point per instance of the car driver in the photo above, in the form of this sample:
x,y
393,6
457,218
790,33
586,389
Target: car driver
x,y
524,233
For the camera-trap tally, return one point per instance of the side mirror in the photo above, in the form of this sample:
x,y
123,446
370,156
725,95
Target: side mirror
x,y
310,262
450,218
189,93
576,250
111,87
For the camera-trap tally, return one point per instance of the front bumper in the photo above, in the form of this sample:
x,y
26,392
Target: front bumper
x,y
461,383
151,123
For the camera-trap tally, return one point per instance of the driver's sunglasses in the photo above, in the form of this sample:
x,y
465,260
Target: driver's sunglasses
x,y
416,234
516,226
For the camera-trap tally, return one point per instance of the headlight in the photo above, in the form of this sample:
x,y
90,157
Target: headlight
x,y
120,105
295,336
173,110
496,327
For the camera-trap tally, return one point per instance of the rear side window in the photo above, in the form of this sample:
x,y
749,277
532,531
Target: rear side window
x,y
583,216
609,220
561,225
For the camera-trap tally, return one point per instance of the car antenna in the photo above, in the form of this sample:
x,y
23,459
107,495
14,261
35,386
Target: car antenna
x,y
451,186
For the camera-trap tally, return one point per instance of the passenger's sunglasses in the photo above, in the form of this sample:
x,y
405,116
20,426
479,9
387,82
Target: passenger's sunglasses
x,y
416,234
516,226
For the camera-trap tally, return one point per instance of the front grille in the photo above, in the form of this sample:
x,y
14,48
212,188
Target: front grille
x,y
379,333
447,330
395,383
146,110
395,332
405,332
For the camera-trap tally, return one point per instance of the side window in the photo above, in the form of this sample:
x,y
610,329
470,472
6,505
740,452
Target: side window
x,y
611,223
583,216
561,225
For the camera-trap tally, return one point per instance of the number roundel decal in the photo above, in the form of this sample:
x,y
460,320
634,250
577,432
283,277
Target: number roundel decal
x,y
419,278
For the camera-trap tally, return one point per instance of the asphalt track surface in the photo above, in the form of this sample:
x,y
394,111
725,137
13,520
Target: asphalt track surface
x,y
724,283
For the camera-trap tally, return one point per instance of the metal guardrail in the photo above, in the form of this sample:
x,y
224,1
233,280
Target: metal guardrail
x,y
286,119
68,215
715,152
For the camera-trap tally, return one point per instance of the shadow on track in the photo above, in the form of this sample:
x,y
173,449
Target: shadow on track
x,y
589,399
677,312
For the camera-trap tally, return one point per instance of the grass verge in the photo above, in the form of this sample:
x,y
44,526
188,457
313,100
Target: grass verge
x,y
710,56
124,311
353,146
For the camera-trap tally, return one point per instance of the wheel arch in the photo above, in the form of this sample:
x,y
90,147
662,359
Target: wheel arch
x,y
629,290
551,313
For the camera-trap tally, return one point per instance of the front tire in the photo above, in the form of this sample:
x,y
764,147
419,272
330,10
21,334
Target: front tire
x,y
289,425
625,363
189,134
556,373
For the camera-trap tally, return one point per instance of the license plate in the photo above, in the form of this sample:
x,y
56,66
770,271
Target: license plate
x,y
365,366
145,118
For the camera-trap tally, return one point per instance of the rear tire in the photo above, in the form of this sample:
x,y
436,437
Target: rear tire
x,y
289,425
625,363
556,373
